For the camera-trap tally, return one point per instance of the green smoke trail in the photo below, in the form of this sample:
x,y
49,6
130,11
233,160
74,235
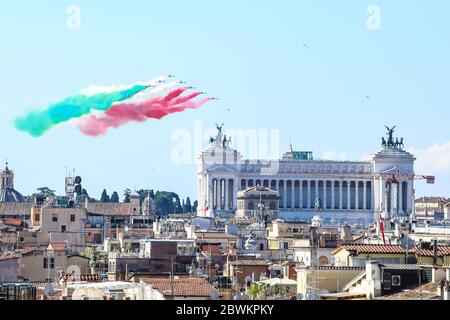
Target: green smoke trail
x,y
36,123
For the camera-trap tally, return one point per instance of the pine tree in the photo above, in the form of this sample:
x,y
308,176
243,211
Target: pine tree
x,y
115,197
195,206
188,205
104,197
126,195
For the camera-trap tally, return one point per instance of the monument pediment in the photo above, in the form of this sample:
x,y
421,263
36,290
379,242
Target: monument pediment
x,y
221,168
395,170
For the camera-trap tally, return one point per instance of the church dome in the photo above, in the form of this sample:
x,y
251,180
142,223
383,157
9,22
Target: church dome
x,y
11,195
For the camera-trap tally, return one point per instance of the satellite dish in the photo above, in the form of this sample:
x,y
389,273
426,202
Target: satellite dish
x,y
77,179
125,229
73,270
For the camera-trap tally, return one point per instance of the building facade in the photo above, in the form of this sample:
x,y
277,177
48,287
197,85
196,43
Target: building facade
x,y
350,190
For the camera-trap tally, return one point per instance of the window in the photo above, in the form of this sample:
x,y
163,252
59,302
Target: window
x,y
36,217
261,246
72,218
52,263
63,228
55,219
285,245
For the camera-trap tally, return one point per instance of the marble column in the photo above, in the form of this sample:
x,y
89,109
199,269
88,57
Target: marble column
x,y
400,196
325,194
365,195
341,187
332,195
349,193
316,194
292,194
409,194
383,199
308,193
225,187
300,194
356,194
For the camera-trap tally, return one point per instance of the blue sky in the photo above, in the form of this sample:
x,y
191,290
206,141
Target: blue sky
x,y
248,53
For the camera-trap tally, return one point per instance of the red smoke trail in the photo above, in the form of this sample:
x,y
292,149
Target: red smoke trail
x,y
156,108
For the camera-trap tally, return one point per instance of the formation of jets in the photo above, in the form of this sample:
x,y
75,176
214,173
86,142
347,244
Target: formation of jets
x,y
189,87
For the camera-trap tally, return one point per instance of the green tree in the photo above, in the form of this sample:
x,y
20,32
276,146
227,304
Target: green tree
x,y
183,206
115,197
178,206
43,192
254,291
84,192
104,197
126,195
188,205
195,206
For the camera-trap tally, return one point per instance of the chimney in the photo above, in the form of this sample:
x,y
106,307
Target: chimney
x,y
437,274
373,278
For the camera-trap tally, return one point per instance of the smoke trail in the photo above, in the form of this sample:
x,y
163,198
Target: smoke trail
x,y
36,123
155,108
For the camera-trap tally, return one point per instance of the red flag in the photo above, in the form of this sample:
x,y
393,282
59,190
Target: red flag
x,y
382,228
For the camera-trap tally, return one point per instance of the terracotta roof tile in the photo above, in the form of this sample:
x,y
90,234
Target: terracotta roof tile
x,y
183,287
373,248
81,277
441,251
109,209
253,262
16,208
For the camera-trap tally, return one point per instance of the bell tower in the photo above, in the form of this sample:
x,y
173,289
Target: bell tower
x,y
6,179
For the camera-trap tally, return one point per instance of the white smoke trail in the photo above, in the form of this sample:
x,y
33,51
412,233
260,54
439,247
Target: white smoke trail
x,y
94,89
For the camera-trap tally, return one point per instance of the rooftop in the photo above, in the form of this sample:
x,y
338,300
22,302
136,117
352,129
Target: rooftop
x,y
371,248
424,292
15,208
249,262
109,209
441,251
182,287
